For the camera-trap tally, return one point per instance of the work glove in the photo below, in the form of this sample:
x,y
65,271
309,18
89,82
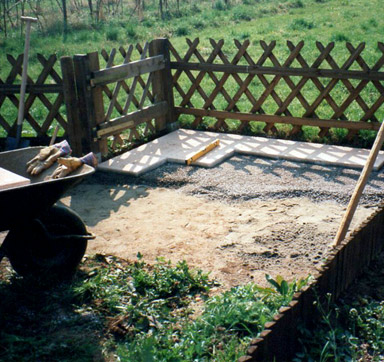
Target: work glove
x,y
47,157
70,164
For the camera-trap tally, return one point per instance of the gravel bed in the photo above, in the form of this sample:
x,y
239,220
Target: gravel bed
x,y
244,178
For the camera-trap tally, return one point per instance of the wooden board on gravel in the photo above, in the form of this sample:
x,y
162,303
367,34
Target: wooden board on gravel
x,y
182,144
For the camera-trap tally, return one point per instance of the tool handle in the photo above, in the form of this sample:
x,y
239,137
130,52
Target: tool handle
x,y
23,86
343,228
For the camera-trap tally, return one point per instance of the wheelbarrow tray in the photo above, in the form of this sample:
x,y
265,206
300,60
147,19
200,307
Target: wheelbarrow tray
x,y
29,201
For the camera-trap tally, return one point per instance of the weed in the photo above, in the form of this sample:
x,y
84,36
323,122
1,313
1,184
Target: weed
x,y
296,4
242,13
137,312
302,24
223,330
245,35
112,34
182,31
195,8
131,31
198,24
219,5
339,37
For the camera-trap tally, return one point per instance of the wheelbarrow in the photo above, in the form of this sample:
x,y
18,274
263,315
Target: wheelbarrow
x,y
44,239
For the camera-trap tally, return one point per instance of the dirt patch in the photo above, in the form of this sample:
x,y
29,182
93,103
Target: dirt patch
x,y
237,242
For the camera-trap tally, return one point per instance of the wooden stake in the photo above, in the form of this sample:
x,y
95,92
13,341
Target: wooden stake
x,y
343,228
202,152
20,115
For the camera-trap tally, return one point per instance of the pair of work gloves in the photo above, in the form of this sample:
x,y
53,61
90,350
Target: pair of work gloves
x,y
58,152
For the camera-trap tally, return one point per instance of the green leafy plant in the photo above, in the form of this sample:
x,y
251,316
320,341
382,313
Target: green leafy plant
x,y
350,329
141,312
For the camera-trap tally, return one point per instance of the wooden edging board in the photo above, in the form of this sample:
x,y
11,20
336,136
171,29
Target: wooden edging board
x,y
279,340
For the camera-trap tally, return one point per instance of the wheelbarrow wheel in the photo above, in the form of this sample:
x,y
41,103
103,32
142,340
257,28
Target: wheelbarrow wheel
x,y
50,247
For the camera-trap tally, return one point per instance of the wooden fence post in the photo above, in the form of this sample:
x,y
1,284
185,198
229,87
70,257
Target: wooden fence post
x,y
162,86
85,104
98,111
71,104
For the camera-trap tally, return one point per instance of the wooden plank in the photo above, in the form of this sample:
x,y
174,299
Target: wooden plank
x,y
278,119
129,70
97,109
9,179
82,72
280,71
71,104
132,119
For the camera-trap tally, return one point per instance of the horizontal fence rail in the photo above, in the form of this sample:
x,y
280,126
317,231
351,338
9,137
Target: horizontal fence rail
x,y
125,71
280,71
240,90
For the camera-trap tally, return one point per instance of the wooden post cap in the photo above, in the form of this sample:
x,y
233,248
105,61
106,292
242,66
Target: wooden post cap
x,y
28,18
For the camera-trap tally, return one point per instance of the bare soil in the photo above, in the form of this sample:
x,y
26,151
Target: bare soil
x,y
238,221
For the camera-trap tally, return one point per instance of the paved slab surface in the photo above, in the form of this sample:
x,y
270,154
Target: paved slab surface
x,y
9,179
182,144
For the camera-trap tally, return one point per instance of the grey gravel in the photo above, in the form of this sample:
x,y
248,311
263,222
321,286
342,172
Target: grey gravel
x,y
247,177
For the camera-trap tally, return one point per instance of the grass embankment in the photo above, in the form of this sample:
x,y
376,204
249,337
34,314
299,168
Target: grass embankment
x,y
116,310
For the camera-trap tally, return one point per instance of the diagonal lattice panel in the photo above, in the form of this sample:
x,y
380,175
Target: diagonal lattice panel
x,y
293,91
43,105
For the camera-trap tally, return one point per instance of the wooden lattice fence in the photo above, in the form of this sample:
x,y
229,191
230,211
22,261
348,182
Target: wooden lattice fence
x,y
91,98
129,94
242,92
136,94
44,97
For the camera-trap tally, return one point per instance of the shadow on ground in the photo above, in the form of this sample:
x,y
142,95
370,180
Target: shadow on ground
x,y
41,323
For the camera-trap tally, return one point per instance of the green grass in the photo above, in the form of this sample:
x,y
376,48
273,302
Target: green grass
x,y
115,309
280,20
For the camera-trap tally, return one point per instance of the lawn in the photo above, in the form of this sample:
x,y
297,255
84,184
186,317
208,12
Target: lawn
x,y
295,20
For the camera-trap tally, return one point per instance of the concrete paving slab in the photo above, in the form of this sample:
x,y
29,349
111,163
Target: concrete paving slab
x,y
9,179
182,144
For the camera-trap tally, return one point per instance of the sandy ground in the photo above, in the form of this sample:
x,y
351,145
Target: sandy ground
x,y
238,221
236,243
